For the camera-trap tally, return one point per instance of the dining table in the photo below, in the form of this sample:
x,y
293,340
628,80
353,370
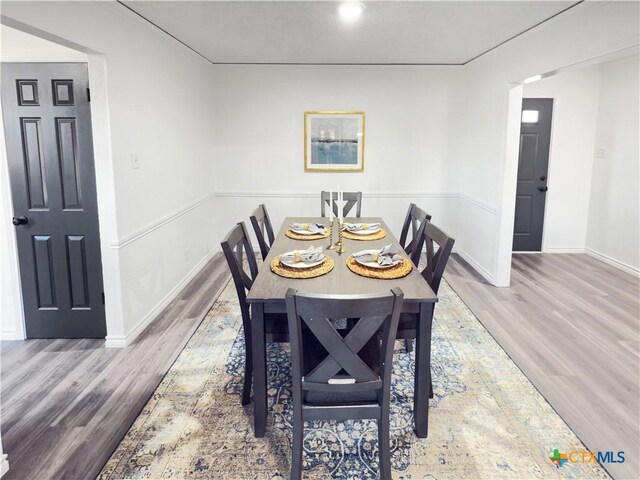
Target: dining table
x,y
267,295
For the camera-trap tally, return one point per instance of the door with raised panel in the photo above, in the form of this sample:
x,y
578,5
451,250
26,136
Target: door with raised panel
x,y
533,164
47,123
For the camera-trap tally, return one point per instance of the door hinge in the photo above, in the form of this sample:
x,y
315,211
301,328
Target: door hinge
x,y
88,94
102,298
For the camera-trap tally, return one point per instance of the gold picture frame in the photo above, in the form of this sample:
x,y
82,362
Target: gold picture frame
x,y
334,141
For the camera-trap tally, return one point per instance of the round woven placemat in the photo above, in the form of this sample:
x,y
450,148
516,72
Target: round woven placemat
x,y
399,271
296,236
288,272
374,236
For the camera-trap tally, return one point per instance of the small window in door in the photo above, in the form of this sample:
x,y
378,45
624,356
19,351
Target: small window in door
x,y
530,116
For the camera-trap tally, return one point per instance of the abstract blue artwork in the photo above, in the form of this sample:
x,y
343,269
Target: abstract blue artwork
x,y
334,141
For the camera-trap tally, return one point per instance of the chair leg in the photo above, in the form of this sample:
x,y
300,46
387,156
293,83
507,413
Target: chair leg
x,y
296,444
384,448
248,376
408,344
248,370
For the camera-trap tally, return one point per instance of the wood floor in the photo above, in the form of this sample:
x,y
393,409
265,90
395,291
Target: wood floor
x,y
66,404
571,323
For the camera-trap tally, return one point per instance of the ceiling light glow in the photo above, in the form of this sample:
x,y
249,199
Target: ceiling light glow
x,y
535,78
350,11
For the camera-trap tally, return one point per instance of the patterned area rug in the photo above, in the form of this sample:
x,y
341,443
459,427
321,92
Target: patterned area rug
x,y
486,420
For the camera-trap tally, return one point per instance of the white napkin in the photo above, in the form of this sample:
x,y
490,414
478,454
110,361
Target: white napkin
x,y
357,227
311,227
386,257
310,255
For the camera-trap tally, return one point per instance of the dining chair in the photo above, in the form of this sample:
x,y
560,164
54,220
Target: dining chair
x,y
352,199
436,263
336,377
237,246
415,221
262,227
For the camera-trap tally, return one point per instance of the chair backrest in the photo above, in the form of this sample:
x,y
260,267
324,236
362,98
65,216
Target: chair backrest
x,y
415,221
262,226
352,199
236,246
436,259
373,313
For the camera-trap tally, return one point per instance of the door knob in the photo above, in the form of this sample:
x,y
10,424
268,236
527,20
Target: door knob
x,y
543,178
22,220
543,189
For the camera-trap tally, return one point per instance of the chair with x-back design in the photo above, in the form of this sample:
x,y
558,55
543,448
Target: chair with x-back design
x,y
336,377
437,260
351,199
237,246
262,227
415,221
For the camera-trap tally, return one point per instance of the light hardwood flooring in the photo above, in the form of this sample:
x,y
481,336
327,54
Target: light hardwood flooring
x,y
66,404
572,325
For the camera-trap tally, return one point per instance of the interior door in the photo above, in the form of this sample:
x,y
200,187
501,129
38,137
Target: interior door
x,y
533,164
47,124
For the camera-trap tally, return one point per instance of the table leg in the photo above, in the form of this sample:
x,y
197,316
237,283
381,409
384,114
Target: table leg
x,y
259,369
423,370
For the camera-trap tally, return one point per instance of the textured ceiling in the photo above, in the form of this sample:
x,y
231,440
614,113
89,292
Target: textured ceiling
x,y
449,32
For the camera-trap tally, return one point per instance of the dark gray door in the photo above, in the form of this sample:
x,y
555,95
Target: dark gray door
x,y
47,124
533,163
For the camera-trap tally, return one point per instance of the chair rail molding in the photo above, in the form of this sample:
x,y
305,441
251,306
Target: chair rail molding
x,y
147,229
397,194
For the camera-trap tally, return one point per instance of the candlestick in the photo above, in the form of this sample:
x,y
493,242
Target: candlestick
x,y
340,245
331,245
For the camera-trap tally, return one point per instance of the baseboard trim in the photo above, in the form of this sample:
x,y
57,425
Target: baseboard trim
x,y
476,266
613,262
122,341
4,464
560,250
9,335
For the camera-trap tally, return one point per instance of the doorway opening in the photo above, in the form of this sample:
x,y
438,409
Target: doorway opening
x,y
22,43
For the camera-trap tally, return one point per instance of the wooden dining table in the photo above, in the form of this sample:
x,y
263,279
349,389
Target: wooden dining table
x,y
267,295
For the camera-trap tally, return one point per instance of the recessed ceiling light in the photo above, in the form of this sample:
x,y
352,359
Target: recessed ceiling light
x,y
535,78
350,11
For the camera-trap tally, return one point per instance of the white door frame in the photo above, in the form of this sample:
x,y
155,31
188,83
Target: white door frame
x,y
105,185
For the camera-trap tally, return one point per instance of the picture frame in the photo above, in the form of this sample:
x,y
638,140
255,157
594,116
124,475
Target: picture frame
x,y
334,141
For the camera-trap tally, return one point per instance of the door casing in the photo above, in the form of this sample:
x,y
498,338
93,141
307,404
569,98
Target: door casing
x,y
105,186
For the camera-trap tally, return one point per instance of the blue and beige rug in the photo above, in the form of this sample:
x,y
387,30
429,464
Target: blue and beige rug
x,y
486,421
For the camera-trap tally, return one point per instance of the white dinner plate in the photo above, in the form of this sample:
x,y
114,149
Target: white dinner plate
x,y
371,264
300,264
365,232
305,232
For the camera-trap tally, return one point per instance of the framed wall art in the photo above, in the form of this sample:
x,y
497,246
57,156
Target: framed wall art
x,y
333,141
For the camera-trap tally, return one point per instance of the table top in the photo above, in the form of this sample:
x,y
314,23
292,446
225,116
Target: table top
x,y
269,287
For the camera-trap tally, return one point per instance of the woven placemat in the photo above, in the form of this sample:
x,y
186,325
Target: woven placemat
x,y
398,271
288,272
374,236
296,236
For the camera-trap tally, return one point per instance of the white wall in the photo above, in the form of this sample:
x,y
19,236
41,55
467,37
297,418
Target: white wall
x,y
586,31
575,95
614,213
157,222
411,117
